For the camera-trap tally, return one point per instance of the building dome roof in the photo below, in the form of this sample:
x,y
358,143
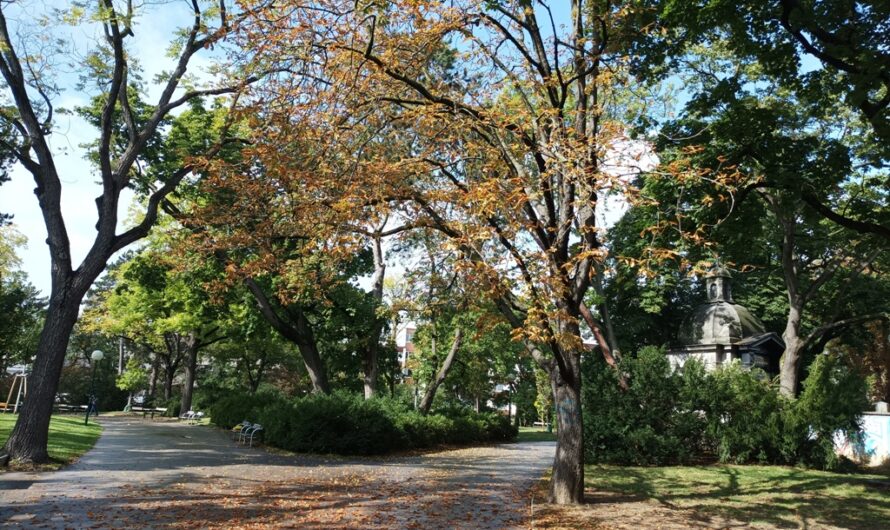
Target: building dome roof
x,y
721,323
720,320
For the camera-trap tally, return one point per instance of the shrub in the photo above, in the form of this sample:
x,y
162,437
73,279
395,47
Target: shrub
x,y
639,425
832,399
344,423
734,414
339,423
744,415
498,428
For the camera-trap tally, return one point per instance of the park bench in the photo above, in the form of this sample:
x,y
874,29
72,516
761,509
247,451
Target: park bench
x,y
192,417
236,430
250,433
148,410
246,432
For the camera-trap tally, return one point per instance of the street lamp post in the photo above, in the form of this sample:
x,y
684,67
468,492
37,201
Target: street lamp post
x,y
96,356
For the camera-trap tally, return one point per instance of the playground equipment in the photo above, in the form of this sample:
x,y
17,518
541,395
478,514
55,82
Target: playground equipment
x,y
20,380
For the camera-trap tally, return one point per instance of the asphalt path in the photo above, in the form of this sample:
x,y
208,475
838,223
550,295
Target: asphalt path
x,y
159,474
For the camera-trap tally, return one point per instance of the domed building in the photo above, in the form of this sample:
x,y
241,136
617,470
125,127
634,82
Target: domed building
x,y
720,331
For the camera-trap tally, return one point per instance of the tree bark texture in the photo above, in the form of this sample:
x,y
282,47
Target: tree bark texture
x,y
28,439
153,377
191,367
427,402
370,363
567,481
789,370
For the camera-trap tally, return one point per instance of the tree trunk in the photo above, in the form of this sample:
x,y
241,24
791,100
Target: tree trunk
x,y
120,356
170,366
603,308
27,441
255,384
311,357
427,401
297,330
789,371
153,378
254,380
372,350
168,384
567,480
370,369
191,366
604,343
173,357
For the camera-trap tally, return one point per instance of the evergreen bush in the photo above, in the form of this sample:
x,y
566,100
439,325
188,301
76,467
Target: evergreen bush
x,y
638,425
346,423
732,414
832,400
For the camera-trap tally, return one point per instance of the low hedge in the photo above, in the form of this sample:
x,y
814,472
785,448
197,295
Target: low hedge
x,y
347,424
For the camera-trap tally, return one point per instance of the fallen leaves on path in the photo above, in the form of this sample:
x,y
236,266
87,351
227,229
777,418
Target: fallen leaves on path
x,y
348,500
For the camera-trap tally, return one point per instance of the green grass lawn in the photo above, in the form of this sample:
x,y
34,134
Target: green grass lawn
x,y
68,436
535,434
774,496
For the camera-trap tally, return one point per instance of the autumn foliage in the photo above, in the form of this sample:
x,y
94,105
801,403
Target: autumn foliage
x,y
488,124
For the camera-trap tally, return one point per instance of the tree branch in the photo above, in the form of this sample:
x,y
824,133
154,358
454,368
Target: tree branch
x,y
821,330
864,227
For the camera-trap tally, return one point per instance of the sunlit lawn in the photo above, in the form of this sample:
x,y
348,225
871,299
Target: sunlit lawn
x,y
535,434
68,436
762,496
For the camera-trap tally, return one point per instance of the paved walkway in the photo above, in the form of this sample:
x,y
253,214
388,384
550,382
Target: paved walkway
x,y
171,475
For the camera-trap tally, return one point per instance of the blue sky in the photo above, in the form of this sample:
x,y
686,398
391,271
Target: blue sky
x,y
80,183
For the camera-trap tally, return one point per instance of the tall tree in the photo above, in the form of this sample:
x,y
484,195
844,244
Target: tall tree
x,y
505,123
767,152
123,137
